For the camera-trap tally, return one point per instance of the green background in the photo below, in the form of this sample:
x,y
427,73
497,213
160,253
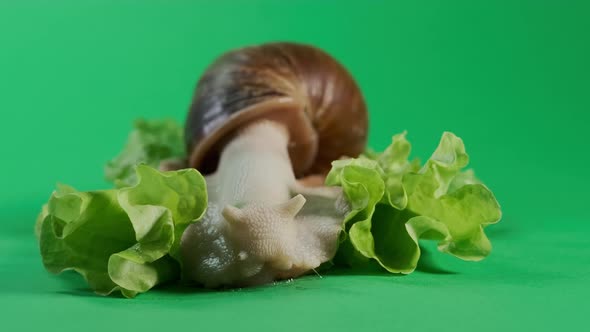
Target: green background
x,y
512,78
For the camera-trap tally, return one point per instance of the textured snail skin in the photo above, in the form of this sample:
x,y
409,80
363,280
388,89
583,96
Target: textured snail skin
x,y
299,85
254,230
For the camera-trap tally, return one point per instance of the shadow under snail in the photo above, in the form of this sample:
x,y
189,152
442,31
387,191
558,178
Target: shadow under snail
x,y
264,126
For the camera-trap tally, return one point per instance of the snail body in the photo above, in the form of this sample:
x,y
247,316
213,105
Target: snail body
x,y
264,119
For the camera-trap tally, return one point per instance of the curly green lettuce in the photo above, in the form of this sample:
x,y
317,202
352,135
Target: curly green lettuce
x,y
127,239
150,142
396,202
124,239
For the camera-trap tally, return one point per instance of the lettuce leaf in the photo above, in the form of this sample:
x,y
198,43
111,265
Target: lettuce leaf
x,y
396,202
123,239
150,142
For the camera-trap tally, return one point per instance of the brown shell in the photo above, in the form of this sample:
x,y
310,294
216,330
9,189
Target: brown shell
x,y
298,85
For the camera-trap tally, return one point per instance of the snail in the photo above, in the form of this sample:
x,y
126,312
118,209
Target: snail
x,y
264,126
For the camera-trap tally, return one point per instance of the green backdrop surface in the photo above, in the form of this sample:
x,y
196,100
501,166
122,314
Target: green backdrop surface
x,y
512,78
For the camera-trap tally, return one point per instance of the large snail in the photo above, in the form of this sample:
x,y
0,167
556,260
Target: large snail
x,y
264,120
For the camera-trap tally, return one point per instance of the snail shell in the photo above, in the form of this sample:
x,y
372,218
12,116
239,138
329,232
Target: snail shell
x,y
298,85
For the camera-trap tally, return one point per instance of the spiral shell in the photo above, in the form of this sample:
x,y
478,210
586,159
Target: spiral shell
x,y
298,85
